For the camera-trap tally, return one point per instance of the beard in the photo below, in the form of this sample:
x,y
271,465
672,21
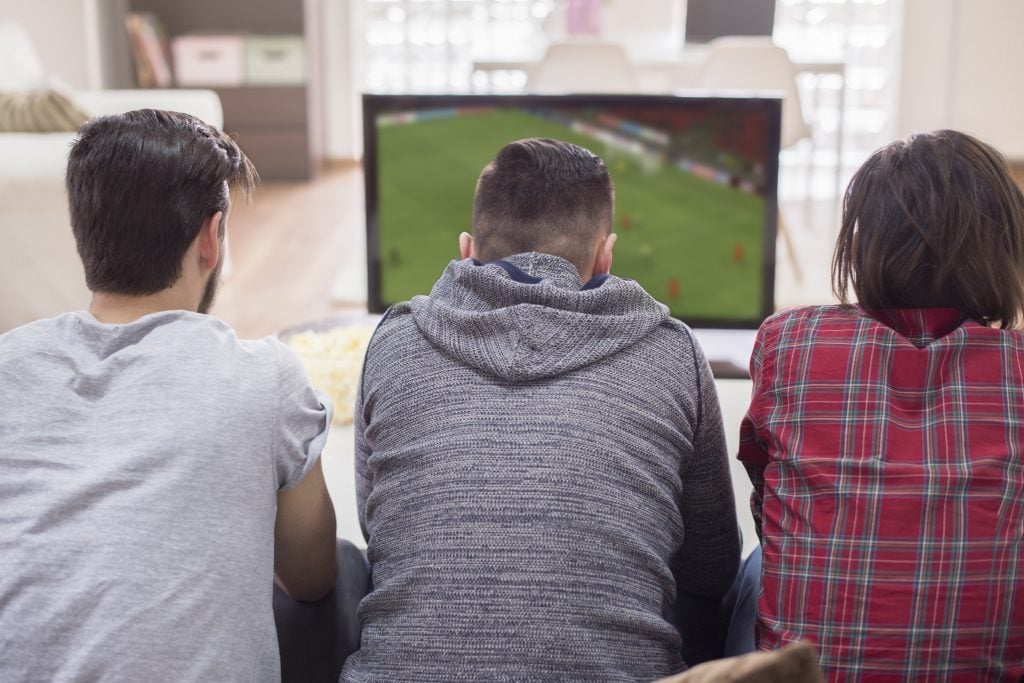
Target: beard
x,y
210,290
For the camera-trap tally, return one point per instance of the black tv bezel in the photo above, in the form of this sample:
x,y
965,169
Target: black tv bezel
x,y
376,104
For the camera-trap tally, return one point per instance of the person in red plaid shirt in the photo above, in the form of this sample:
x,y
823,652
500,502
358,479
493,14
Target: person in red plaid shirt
x,y
885,439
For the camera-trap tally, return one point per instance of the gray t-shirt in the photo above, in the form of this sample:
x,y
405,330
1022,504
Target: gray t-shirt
x,y
139,472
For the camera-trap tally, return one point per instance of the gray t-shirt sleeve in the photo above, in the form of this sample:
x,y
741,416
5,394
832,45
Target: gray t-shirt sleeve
x,y
303,419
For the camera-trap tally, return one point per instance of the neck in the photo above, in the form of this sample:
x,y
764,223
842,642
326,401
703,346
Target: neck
x,y
116,309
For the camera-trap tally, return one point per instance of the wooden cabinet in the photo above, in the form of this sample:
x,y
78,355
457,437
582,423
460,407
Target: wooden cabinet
x,y
272,125
278,126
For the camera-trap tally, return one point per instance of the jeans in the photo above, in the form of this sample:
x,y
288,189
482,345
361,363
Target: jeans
x,y
315,638
712,629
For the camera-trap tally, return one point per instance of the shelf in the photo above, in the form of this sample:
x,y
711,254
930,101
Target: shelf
x,y
277,126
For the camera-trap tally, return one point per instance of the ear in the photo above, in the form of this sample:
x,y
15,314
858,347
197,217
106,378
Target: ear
x,y
210,243
603,260
466,247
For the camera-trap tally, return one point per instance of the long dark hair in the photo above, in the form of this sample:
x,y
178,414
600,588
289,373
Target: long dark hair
x,y
934,221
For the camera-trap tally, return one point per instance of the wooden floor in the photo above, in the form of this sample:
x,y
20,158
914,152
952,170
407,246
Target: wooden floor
x,y
287,248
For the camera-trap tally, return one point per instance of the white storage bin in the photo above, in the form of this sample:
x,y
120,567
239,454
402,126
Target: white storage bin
x,y
275,60
205,60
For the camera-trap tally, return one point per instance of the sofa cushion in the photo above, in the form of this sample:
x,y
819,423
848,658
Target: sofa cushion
x,y
796,663
39,111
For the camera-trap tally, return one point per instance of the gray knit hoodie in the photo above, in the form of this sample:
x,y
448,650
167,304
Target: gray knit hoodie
x,y
539,464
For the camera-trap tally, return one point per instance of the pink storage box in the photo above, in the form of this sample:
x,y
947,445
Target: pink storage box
x,y
205,60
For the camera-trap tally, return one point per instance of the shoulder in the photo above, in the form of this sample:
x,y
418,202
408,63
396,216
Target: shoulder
x,y
804,320
790,336
269,349
279,361
396,319
670,351
804,315
28,343
41,337
266,364
393,340
40,329
223,342
396,333
679,335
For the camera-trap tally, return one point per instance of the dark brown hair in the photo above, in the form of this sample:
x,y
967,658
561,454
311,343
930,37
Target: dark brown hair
x,y
934,221
542,195
139,187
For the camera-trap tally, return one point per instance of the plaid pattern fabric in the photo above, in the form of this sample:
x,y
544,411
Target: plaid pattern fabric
x,y
888,480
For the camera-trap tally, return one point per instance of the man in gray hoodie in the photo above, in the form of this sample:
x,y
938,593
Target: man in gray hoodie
x,y
540,460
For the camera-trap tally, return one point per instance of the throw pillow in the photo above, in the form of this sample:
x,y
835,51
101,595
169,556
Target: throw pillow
x,y
39,111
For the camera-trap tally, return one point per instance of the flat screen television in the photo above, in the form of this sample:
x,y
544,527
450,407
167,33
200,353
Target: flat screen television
x,y
695,181
710,19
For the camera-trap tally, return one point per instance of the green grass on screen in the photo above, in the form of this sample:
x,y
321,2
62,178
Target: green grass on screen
x,y
693,244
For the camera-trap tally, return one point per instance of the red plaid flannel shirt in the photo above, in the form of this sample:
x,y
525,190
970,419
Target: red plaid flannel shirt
x,y
889,492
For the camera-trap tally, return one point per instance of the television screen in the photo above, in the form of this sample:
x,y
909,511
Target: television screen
x,y
695,181
710,19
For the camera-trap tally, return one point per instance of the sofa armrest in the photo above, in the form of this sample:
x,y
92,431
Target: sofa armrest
x,y
204,104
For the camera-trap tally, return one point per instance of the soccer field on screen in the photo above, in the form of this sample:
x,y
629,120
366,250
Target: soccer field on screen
x,y
694,244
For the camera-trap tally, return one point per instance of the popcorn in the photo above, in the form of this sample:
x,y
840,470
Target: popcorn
x,y
334,363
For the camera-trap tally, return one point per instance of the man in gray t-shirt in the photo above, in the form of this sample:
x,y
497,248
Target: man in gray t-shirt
x,y
155,471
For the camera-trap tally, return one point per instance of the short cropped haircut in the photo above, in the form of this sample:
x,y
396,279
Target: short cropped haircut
x,y
140,185
934,221
546,196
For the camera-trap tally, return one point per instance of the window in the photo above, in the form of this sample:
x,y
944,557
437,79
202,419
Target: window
x,y
851,113
422,46
419,46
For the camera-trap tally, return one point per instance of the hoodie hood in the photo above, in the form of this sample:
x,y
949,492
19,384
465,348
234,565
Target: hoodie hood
x,y
530,316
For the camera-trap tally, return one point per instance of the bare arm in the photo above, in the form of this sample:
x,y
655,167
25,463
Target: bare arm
x,y
305,530
304,538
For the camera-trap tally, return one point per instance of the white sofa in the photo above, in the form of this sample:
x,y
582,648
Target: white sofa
x,y
40,274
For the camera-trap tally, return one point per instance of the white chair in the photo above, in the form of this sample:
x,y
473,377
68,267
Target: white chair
x,y
754,63
583,66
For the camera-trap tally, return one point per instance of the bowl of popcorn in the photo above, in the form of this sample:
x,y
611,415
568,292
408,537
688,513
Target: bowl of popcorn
x,y
332,352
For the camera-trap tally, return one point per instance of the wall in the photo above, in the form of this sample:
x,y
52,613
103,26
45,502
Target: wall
x,y
341,38
961,62
626,20
67,33
56,27
924,83
987,91
341,78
